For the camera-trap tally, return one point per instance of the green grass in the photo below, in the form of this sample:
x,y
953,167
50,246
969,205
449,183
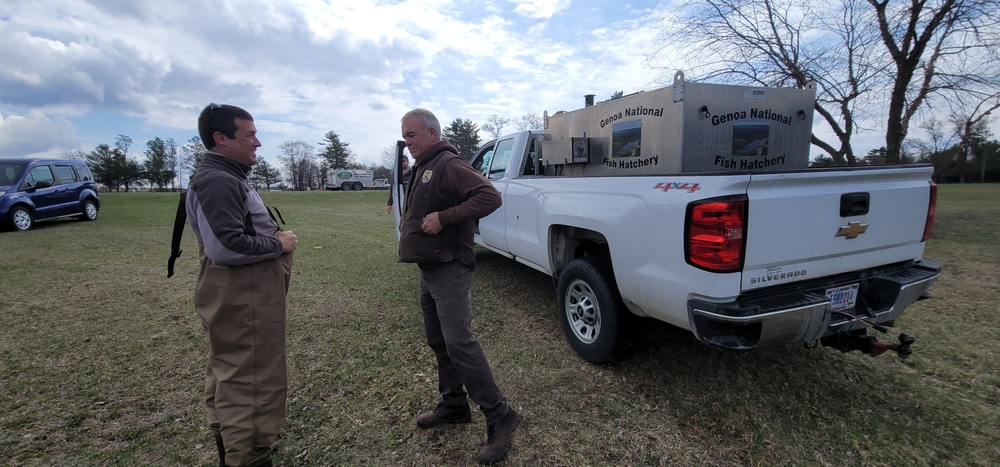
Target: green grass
x,y
102,358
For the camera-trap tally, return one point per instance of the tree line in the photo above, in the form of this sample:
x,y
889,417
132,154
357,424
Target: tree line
x,y
166,165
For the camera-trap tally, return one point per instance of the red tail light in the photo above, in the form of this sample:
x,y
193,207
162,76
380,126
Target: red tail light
x,y
931,208
714,234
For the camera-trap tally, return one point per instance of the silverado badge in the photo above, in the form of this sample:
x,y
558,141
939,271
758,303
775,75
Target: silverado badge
x,y
852,230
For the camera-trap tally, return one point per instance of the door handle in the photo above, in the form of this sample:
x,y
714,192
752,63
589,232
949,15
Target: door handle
x,y
854,204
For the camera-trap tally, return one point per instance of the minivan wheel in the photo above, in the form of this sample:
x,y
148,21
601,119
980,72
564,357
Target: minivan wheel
x,y
21,218
89,211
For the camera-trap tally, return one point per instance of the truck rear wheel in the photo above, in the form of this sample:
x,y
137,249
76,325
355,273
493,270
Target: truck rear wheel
x,y
345,186
358,186
591,310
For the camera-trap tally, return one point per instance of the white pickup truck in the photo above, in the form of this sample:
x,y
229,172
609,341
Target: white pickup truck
x,y
722,231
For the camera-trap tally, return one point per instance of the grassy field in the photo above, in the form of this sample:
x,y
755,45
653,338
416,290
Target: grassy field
x,y
102,358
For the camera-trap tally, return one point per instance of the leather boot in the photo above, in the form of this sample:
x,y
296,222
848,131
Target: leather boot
x,y
444,414
498,438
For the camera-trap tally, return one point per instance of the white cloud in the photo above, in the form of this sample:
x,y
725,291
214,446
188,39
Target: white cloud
x,y
305,67
33,136
540,9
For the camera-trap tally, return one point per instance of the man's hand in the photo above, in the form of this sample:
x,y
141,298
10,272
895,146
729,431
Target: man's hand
x,y
431,224
388,209
288,240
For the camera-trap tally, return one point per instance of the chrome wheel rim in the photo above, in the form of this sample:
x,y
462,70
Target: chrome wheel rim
x,y
22,219
583,312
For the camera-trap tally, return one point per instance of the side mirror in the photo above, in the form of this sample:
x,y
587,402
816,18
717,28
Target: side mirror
x,y
42,184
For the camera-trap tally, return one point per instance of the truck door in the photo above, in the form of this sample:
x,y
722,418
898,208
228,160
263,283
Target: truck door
x,y
397,190
521,205
492,161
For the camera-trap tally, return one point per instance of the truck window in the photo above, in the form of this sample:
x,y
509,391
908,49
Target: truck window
x,y
500,158
481,160
529,161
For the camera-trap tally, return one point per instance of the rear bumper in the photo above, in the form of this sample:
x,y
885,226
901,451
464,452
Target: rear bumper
x,y
801,312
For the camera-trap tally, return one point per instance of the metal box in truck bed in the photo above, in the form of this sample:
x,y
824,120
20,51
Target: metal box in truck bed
x,y
687,127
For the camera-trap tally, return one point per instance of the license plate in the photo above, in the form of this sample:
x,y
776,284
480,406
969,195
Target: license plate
x,y
843,298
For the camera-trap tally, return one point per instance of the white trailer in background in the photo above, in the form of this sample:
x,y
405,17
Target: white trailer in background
x,y
355,179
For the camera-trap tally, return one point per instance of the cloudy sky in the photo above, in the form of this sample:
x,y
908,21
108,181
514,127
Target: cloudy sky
x,y
77,73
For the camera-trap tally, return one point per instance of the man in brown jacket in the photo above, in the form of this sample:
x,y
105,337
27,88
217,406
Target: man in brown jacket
x,y
444,199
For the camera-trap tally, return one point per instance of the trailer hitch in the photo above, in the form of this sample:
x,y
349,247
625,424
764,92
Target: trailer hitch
x,y
866,343
902,349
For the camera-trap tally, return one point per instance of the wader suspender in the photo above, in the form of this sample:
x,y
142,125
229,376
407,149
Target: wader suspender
x,y
270,213
175,243
181,219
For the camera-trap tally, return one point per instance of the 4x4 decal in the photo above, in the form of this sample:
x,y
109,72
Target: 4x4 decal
x,y
667,186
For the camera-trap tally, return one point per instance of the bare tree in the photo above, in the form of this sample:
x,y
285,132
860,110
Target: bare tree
x,y
387,157
936,46
494,125
174,163
970,119
193,151
853,50
529,122
936,133
77,154
297,156
122,143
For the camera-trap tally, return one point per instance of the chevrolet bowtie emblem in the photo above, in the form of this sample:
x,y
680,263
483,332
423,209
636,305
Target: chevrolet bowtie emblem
x,y
852,230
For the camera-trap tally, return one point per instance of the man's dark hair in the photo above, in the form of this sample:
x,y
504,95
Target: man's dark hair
x,y
221,118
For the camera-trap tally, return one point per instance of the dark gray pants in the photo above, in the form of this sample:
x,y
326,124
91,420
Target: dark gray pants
x,y
446,300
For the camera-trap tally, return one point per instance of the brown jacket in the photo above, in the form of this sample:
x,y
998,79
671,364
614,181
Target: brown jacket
x,y
444,183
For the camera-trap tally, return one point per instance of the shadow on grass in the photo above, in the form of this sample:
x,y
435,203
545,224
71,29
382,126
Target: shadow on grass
x,y
770,404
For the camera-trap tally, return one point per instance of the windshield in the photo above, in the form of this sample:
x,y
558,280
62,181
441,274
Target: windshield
x,y
10,172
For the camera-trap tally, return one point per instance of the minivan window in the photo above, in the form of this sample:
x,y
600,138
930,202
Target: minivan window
x,y
84,173
41,173
9,173
65,173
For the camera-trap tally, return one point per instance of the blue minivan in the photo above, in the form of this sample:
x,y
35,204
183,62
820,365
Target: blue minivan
x,y
39,189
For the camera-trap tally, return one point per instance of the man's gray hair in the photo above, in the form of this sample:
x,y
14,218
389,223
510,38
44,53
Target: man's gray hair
x,y
426,117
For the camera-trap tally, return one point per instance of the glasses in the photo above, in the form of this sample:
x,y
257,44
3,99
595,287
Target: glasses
x,y
211,115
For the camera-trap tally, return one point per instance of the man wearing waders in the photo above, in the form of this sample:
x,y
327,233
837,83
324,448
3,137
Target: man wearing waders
x,y
246,265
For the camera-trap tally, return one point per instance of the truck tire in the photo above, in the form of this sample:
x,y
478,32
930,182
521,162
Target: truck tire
x,y
345,186
591,310
358,186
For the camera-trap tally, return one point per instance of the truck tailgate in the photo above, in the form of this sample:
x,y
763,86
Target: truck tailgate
x,y
812,224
